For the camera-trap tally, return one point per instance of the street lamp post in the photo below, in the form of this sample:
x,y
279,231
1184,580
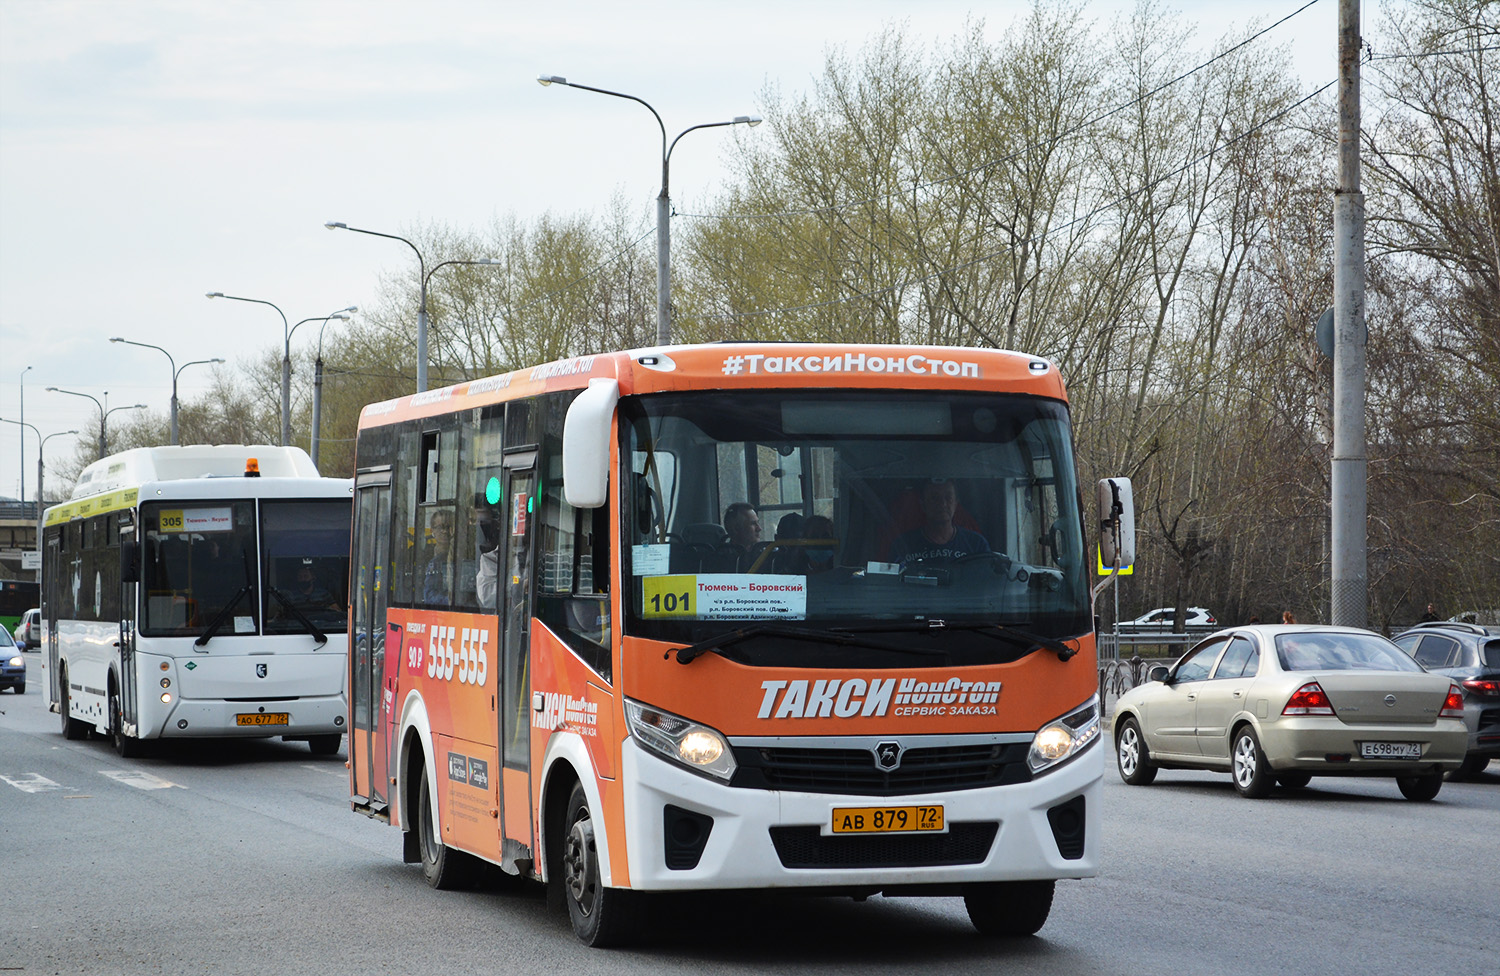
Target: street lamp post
x,y
103,413
176,371
663,199
286,363
421,309
24,425
40,469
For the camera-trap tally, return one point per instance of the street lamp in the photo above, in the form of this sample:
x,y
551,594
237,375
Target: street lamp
x,y
176,371
421,309
103,413
286,363
663,199
40,468
23,436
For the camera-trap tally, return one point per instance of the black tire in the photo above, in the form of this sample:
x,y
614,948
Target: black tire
x,y
21,688
1472,766
1252,775
1420,788
127,746
1009,909
71,727
444,868
1136,767
325,745
601,916
1294,779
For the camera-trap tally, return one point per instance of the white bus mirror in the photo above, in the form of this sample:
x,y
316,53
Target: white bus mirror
x,y
586,444
1116,523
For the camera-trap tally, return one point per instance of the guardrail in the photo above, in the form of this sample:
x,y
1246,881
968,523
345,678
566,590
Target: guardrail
x,y
18,511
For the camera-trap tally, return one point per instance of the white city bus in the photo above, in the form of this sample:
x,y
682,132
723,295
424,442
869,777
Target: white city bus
x,y
199,592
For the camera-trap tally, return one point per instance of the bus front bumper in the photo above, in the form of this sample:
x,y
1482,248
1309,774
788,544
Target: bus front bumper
x,y
189,718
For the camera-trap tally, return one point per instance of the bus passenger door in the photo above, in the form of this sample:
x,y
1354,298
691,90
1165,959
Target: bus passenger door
x,y
516,805
51,600
129,696
369,747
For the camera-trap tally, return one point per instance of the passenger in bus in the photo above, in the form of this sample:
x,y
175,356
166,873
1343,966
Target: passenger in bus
x,y
938,540
742,522
437,577
822,544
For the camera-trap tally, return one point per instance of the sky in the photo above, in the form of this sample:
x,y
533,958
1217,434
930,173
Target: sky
x,y
154,151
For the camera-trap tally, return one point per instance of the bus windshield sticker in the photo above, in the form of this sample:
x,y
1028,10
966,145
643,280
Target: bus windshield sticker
x,y
200,520
650,560
726,597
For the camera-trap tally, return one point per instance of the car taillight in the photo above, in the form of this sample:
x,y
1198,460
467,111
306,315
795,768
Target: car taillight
x,y
1484,687
1308,700
1453,707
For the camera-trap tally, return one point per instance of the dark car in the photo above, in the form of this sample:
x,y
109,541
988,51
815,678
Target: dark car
x,y
12,664
1470,655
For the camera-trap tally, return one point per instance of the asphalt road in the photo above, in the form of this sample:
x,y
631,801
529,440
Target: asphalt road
x,y
244,858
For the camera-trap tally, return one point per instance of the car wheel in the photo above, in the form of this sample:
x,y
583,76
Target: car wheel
x,y
127,746
601,916
442,866
1136,767
1008,909
1252,774
1472,766
71,727
324,745
1420,788
21,688
1294,779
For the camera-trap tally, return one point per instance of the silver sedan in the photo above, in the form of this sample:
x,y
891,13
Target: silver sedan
x,y
1284,703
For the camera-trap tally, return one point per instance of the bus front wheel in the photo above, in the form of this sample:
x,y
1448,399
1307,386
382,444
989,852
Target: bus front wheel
x,y
442,866
1010,908
601,916
324,745
127,746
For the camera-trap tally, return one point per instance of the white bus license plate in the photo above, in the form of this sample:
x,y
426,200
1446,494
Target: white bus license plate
x,y
1390,750
263,718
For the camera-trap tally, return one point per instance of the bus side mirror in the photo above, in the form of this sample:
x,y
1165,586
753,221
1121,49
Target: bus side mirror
x,y
130,562
1116,523
586,444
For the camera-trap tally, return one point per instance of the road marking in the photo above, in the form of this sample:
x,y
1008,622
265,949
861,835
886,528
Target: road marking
x,y
340,773
35,783
139,780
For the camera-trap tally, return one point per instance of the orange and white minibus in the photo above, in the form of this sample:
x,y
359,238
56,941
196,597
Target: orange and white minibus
x,y
732,616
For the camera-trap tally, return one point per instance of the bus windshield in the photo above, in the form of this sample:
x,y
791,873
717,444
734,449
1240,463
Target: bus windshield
x,y
898,516
306,550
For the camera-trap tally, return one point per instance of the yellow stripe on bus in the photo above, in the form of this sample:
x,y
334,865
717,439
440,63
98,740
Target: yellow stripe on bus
x,y
97,505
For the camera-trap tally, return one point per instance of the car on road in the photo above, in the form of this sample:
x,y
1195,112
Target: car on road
x,y
28,632
12,664
1159,621
1283,703
1470,655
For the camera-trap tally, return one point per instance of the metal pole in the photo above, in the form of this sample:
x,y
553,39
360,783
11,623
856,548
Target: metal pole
x,y
286,390
422,335
1348,471
317,417
23,442
663,261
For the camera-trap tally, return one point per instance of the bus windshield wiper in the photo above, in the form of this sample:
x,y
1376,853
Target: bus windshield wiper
x,y
1004,632
223,615
299,616
841,637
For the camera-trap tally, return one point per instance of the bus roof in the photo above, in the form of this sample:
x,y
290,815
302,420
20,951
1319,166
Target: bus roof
x,y
745,365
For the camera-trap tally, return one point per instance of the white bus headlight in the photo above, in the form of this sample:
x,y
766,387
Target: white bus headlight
x,y
686,743
1065,737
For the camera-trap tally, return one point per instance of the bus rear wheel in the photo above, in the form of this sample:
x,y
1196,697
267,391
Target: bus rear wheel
x,y
601,916
1008,909
442,866
71,727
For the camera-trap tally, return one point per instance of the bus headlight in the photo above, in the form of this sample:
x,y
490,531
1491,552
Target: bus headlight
x,y
697,747
166,698
1065,737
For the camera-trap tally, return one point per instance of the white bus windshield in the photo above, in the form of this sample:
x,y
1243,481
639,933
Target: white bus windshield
x,y
884,513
